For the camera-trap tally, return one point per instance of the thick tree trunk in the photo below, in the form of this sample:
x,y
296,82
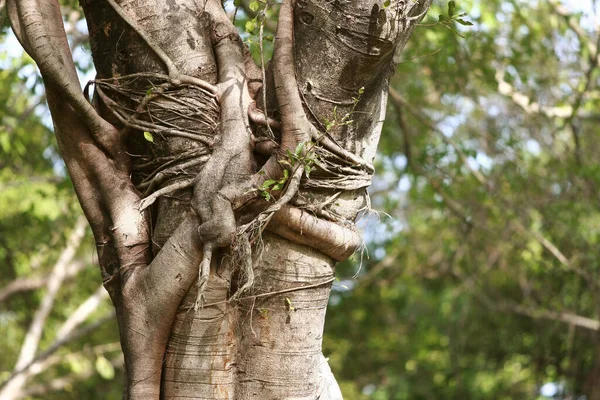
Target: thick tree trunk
x,y
173,95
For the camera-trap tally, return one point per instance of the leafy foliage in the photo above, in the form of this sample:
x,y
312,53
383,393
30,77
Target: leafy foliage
x,y
472,284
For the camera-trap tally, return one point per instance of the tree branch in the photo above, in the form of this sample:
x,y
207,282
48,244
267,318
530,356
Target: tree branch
x,y
539,313
64,382
38,364
576,27
82,312
268,23
532,312
32,338
532,107
33,283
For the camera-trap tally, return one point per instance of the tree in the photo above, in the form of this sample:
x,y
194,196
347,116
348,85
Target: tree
x,y
273,161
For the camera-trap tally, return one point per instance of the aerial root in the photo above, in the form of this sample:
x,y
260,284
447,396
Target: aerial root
x,y
203,274
243,255
148,201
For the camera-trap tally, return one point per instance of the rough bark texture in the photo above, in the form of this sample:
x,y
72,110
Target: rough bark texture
x,y
221,294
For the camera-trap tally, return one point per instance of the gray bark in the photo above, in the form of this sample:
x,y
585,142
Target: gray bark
x,y
219,293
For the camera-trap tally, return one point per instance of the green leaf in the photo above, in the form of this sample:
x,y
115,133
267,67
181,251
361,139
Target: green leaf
x,y
105,368
5,142
148,136
289,303
254,6
463,22
451,8
266,195
286,174
299,149
268,183
361,90
387,3
250,25
278,186
307,169
284,162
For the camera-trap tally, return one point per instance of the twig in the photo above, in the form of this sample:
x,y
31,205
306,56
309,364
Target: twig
x,y
33,283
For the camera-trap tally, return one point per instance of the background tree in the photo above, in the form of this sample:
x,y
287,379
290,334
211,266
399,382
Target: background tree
x,y
487,270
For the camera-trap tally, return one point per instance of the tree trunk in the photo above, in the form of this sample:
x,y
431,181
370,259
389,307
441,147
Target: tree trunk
x,y
220,205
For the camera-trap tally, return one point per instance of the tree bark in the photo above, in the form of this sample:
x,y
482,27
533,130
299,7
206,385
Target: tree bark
x,y
219,222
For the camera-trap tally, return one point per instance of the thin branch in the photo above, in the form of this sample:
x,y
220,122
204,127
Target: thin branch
x,y
36,365
399,103
568,317
172,70
268,23
532,107
422,118
67,381
37,282
51,361
560,257
546,243
82,312
587,86
44,38
576,27
539,313
532,312
32,338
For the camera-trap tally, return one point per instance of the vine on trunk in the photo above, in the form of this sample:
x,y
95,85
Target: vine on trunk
x,y
302,156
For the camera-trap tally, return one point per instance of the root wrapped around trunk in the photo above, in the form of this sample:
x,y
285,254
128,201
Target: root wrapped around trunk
x,y
219,259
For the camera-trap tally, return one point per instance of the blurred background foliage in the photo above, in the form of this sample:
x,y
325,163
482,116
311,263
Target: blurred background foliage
x,y
480,276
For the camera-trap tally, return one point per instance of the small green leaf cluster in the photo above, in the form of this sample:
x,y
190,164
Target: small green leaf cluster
x,y
273,185
342,120
253,26
449,20
306,159
297,158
